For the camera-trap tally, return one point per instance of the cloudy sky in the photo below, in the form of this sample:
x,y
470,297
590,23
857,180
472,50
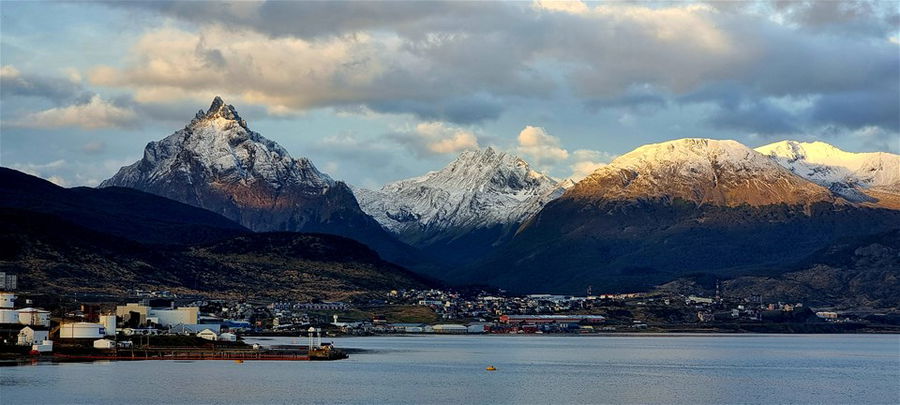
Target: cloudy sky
x,y
374,92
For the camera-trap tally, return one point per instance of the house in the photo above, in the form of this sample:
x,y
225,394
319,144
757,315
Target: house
x,y
208,334
104,344
30,335
227,337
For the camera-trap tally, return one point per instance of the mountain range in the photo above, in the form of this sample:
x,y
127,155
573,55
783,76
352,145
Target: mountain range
x,y
674,208
653,215
111,240
217,163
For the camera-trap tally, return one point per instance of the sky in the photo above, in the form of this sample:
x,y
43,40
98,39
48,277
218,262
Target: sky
x,y
374,92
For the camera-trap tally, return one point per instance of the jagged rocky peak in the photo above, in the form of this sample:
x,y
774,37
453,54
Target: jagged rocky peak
x,y
217,147
705,171
480,189
218,109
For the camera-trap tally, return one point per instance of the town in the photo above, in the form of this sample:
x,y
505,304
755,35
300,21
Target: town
x,y
147,317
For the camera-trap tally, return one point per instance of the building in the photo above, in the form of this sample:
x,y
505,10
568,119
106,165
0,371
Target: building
x,y
7,303
208,334
31,335
104,344
7,282
450,328
164,316
227,337
44,346
81,330
193,329
124,312
544,319
173,316
33,316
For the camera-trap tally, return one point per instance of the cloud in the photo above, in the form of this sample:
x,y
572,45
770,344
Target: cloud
x,y
586,162
758,117
97,113
540,146
435,138
466,63
14,83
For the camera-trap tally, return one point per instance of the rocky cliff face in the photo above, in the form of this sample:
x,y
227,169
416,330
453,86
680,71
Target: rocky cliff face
x,y
463,210
216,162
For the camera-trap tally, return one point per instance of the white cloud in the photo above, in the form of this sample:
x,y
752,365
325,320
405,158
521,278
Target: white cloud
x,y
568,6
95,114
586,162
436,138
9,72
540,146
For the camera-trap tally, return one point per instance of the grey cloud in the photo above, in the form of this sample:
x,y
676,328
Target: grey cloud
x,y
465,62
860,109
760,117
56,90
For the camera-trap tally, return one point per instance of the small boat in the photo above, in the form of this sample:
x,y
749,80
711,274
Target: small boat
x,y
239,361
491,368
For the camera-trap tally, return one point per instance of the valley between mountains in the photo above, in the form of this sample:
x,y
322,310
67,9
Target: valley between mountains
x,y
216,207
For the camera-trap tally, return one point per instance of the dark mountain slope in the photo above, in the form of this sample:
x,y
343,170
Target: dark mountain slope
x,y
52,255
122,212
852,274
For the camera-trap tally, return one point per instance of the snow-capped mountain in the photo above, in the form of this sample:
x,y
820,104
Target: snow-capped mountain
x,y
858,177
665,210
216,162
217,147
477,200
703,171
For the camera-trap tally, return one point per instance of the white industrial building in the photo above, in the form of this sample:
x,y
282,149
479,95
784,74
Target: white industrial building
x,y
450,328
81,330
7,303
161,316
104,344
33,316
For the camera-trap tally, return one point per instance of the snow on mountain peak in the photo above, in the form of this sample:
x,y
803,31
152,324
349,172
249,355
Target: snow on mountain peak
x,y
846,173
479,189
723,172
217,145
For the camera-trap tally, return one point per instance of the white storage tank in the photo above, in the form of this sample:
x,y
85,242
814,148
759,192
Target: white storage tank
x,y
109,323
34,316
81,330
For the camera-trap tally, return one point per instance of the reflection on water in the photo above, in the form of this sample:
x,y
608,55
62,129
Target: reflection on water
x,y
530,369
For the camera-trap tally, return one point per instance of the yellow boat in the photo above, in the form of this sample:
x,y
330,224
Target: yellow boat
x,y
491,368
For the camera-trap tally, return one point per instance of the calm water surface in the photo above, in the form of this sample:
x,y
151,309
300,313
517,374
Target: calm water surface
x,y
531,370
